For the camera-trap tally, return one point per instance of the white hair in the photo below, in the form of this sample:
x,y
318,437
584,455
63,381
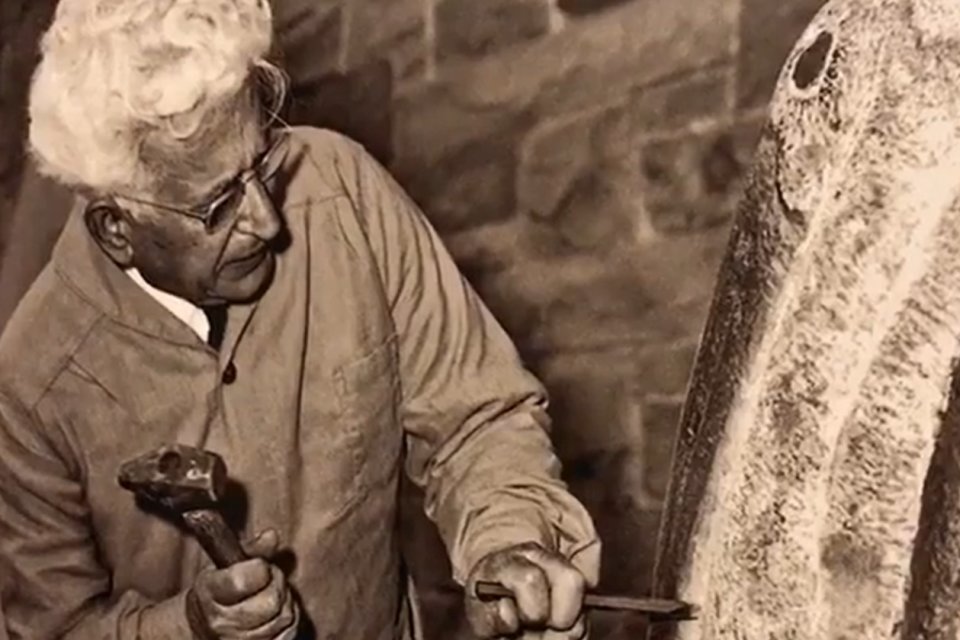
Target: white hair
x,y
115,72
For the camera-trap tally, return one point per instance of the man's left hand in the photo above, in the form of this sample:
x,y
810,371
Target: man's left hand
x,y
548,596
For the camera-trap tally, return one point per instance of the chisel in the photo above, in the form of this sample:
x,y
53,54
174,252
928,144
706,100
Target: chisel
x,y
654,607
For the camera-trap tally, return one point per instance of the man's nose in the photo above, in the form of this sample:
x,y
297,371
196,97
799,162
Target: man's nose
x,y
258,216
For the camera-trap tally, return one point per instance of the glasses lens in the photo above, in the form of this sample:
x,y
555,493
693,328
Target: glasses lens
x,y
223,208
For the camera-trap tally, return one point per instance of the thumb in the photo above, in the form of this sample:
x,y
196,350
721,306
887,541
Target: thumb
x,y
264,545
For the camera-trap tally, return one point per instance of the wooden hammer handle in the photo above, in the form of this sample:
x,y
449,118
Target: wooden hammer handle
x,y
217,539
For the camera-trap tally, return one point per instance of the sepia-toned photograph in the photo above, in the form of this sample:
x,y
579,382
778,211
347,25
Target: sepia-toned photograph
x,y
479,319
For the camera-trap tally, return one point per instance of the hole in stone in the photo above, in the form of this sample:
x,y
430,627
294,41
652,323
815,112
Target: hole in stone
x,y
811,62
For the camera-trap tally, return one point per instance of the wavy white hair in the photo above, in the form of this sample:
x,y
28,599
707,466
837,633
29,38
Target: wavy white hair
x,y
115,72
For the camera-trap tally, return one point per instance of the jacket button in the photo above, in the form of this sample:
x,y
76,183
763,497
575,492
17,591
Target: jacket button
x,y
229,373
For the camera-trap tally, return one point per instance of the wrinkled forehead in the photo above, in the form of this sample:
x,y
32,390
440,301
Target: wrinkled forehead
x,y
185,171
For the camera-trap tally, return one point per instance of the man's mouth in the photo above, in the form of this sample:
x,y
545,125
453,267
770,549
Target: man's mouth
x,y
244,265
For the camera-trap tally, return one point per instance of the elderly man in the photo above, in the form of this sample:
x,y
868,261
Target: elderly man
x,y
268,293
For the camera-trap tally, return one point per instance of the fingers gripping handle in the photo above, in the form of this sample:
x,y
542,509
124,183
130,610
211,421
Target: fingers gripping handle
x,y
216,538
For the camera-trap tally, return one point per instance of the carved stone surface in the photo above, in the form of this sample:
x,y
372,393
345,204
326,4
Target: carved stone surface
x,y
815,487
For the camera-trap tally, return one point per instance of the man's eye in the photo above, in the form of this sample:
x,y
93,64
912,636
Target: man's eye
x,y
225,204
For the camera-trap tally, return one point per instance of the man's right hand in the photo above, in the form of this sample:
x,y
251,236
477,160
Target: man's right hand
x,y
247,601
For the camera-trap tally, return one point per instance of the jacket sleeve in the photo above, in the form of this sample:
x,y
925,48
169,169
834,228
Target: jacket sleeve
x,y
52,583
476,420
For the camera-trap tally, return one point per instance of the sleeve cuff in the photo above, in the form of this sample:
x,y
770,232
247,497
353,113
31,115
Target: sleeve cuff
x,y
572,537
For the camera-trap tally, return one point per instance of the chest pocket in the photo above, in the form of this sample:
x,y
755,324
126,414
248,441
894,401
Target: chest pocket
x,y
368,394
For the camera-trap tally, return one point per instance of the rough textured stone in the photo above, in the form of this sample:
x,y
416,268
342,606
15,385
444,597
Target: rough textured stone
x,y
549,126
660,421
578,177
356,104
468,187
561,151
586,7
584,301
493,247
394,30
309,38
33,221
683,37
21,25
679,103
694,181
590,400
589,63
602,210
562,299
471,28
664,369
430,123
768,31
816,484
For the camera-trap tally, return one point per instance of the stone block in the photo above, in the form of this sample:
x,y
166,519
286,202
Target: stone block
x,y
468,187
612,297
574,302
656,293
430,123
493,247
676,104
660,420
601,210
21,26
553,156
768,31
394,30
470,28
590,62
590,401
309,38
577,177
574,158
694,181
586,7
356,104
664,369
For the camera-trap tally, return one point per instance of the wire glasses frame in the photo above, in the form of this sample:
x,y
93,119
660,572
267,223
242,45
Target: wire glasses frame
x,y
227,201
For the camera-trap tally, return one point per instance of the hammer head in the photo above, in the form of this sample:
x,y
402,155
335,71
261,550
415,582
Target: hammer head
x,y
177,477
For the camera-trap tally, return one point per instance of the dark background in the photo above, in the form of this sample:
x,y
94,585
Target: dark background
x,y
582,158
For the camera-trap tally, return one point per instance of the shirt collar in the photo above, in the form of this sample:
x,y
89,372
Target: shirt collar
x,y
82,264
184,310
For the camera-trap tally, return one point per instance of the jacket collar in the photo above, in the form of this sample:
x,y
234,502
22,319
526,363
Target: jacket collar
x,y
80,262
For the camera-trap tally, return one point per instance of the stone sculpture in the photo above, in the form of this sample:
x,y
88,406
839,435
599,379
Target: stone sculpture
x,y
816,485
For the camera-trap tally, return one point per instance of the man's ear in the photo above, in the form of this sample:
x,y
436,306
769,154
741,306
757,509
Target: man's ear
x,y
109,227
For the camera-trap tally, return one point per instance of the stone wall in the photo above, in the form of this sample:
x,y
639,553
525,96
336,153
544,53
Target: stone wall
x,y
21,22
582,158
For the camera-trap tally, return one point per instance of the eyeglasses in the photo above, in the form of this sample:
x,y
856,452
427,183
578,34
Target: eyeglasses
x,y
227,200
